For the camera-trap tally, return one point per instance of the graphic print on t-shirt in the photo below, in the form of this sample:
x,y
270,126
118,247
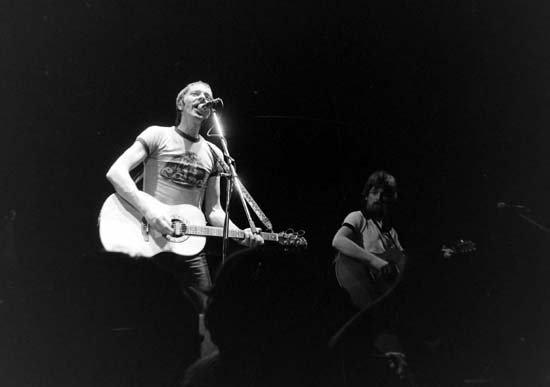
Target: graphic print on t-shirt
x,y
185,171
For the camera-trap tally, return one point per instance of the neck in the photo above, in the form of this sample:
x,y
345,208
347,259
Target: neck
x,y
382,219
190,126
385,222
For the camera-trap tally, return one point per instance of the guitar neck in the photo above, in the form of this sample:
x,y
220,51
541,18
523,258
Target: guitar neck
x,y
212,231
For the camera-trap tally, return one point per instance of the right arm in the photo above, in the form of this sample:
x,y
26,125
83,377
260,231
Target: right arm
x,y
119,175
343,242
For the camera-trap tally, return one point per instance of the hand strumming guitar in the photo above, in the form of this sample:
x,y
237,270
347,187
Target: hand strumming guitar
x,y
389,272
158,216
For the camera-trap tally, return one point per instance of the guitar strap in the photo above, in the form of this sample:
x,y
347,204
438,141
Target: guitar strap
x,y
257,210
249,199
383,236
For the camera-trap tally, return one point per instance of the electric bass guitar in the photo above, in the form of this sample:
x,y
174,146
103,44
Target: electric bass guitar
x,y
123,229
367,286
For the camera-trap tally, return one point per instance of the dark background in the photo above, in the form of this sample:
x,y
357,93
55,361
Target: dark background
x,y
449,96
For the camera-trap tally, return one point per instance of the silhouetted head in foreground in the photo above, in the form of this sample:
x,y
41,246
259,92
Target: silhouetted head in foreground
x,y
263,316
261,301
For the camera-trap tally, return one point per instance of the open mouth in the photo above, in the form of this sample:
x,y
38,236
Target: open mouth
x,y
197,106
198,110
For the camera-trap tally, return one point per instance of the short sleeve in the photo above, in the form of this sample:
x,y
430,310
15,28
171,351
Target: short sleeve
x,y
353,220
150,139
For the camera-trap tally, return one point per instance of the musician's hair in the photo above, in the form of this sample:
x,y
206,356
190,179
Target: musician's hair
x,y
381,179
182,93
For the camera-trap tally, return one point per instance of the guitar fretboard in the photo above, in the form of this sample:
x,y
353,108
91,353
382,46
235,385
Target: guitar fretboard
x,y
218,232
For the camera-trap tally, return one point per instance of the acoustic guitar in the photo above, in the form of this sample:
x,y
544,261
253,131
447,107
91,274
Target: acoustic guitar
x,y
367,286
123,229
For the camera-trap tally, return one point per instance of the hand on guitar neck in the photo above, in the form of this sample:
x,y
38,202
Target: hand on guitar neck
x,y
459,247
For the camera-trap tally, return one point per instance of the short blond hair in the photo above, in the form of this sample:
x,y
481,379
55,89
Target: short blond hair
x,y
186,89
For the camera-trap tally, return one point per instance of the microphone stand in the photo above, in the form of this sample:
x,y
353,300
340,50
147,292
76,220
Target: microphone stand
x,y
232,182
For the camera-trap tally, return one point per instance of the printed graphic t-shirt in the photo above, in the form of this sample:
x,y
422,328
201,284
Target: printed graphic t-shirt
x,y
177,170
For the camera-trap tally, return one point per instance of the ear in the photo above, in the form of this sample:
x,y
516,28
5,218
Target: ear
x,y
179,103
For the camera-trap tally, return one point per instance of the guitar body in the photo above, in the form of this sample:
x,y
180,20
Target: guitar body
x,y
123,229
364,285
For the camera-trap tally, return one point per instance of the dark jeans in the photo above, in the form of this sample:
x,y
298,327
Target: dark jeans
x,y
192,274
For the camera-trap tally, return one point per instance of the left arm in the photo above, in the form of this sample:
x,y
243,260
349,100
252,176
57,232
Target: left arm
x,y
216,215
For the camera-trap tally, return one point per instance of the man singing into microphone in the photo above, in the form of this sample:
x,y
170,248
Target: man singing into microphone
x,y
180,167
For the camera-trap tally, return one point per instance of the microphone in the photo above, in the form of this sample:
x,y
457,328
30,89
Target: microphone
x,y
216,104
518,207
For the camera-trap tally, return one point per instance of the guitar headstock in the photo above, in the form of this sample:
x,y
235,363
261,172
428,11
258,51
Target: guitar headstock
x,y
459,247
292,240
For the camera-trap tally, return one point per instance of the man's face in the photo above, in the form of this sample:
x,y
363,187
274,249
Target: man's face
x,y
378,201
374,199
196,94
